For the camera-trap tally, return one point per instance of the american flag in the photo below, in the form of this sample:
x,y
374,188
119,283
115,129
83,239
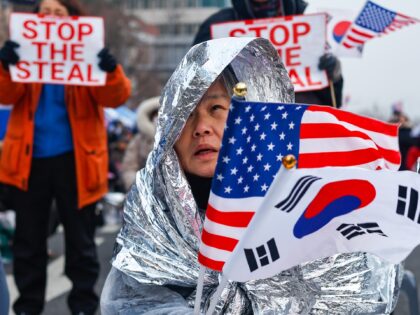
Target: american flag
x,y
256,138
373,21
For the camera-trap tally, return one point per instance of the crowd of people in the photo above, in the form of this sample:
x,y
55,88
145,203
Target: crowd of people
x,y
58,149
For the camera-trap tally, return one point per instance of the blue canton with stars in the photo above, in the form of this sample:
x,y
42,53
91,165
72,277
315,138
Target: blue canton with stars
x,y
375,17
256,137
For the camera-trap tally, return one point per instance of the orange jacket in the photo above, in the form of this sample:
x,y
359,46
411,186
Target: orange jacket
x,y
84,106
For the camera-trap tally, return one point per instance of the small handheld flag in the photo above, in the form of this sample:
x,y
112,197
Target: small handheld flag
x,y
374,21
342,210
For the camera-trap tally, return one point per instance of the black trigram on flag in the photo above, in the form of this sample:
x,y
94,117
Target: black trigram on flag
x,y
262,255
412,201
352,230
298,190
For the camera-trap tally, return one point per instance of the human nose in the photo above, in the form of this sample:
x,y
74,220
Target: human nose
x,y
202,126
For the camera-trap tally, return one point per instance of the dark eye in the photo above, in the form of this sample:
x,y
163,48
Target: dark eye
x,y
216,107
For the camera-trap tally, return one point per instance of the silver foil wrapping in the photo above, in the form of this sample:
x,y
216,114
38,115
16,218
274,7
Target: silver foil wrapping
x,y
159,239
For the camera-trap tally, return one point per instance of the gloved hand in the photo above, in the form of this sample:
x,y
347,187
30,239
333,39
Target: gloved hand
x,y
331,65
107,62
8,55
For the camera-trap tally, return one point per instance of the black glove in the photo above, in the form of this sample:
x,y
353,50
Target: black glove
x,y
331,65
8,55
107,62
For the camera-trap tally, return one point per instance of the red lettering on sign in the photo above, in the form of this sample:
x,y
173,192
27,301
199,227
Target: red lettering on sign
x,y
40,65
47,28
39,50
55,50
89,75
23,73
237,32
76,51
292,56
66,31
257,30
279,38
303,81
52,51
300,29
27,27
294,77
57,69
75,73
62,31
84,30
309,78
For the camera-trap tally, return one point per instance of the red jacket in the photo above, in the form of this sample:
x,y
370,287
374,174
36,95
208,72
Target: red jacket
x,y
84,106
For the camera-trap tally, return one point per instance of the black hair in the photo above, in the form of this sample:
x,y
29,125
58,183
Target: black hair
x,y
73,7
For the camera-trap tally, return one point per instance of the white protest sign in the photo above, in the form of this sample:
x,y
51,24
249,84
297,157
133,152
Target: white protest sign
x,y
300,41
57,49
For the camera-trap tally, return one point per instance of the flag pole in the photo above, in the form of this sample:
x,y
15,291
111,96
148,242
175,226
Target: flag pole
x,y
332,91
199,291
216,296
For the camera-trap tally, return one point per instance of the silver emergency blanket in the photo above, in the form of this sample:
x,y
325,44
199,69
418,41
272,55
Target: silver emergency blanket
x,y
156,252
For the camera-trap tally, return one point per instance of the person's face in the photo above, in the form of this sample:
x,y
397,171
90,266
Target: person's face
x,y
53,7
199,143
266,8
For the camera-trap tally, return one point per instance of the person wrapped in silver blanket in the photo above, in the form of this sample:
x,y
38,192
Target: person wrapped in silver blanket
x,y
155,266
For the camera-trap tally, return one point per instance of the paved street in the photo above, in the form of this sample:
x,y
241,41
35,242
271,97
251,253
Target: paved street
x,y
59,286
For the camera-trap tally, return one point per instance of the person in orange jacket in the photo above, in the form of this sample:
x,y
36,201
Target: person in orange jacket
x,y
55,148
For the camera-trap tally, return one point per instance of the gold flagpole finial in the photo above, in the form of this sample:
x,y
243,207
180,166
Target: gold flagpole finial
x,y
240,89
289,161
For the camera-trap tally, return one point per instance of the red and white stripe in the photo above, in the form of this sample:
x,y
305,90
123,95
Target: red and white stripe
x,y
357,36
340,138
399,22
223,228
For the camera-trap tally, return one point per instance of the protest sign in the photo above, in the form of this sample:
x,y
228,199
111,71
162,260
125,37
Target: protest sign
x,y
57,49
300,41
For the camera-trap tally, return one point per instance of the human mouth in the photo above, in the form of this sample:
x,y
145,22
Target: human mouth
x,y
205,151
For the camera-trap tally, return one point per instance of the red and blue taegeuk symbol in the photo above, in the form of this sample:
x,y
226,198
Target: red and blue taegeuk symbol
x,y
333,200
340,30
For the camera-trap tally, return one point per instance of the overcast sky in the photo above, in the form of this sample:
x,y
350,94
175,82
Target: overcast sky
x,y
389,70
